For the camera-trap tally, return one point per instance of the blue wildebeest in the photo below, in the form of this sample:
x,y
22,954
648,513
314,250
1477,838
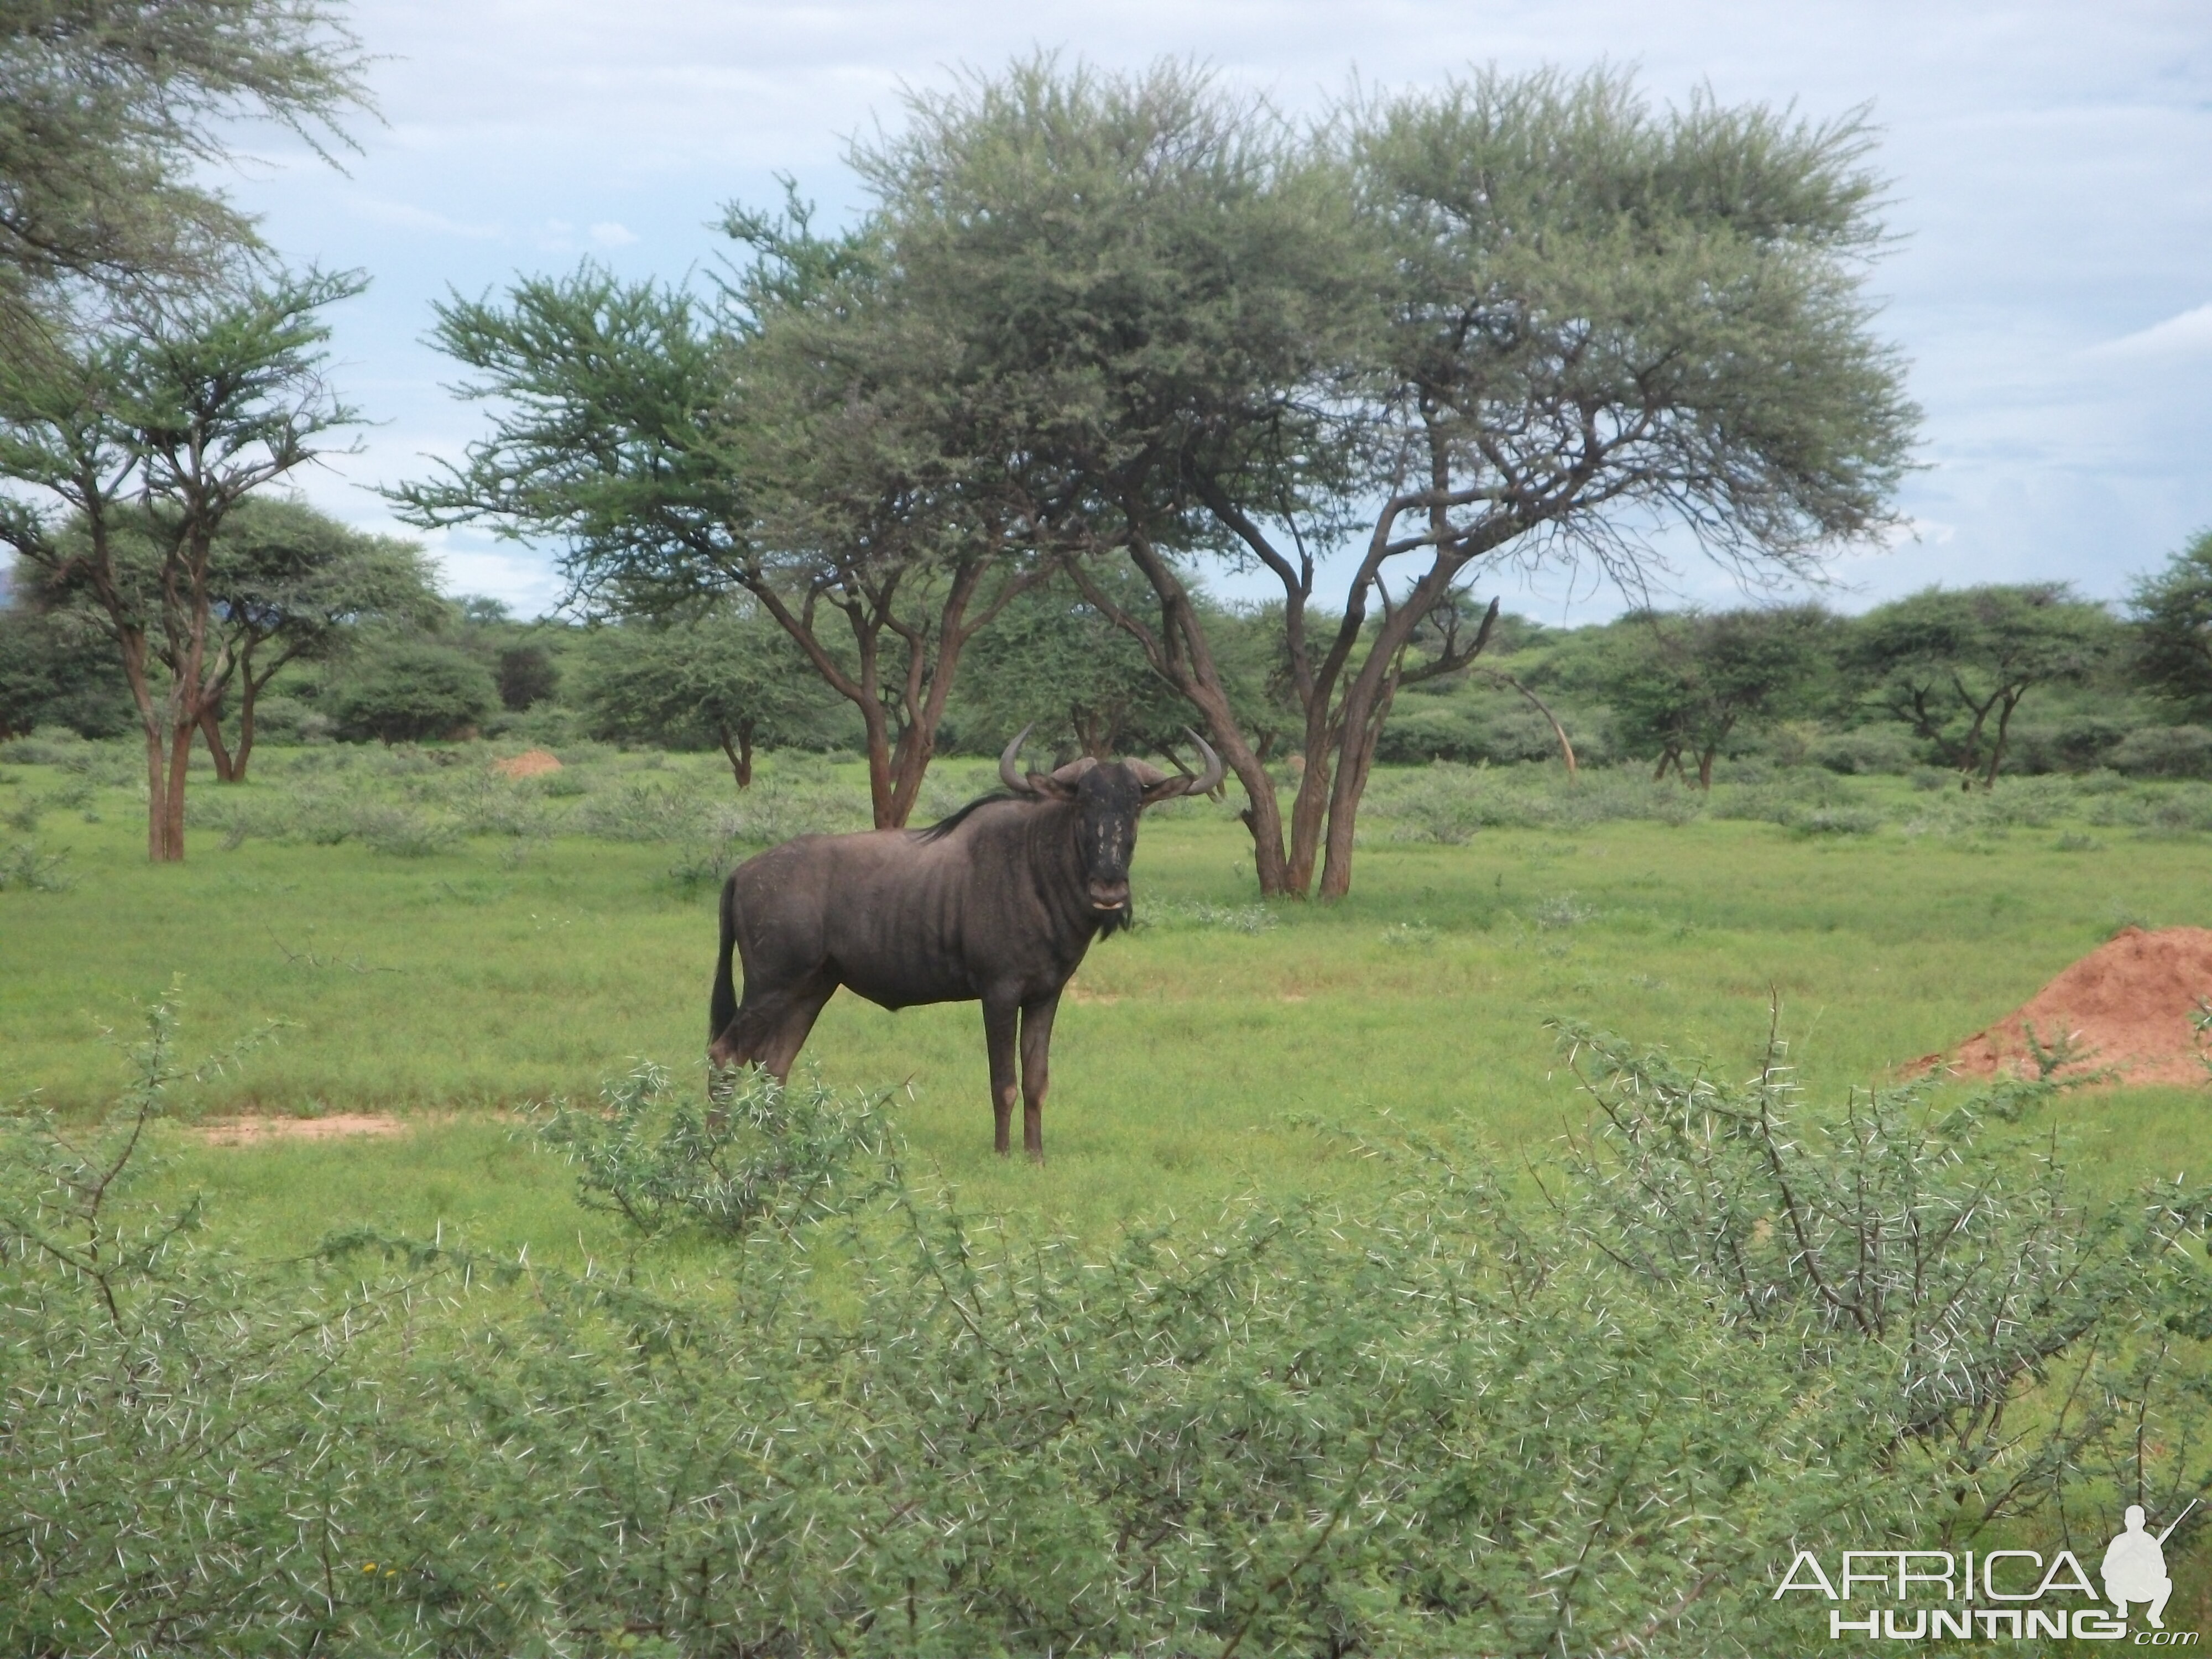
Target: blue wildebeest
x,y
996,905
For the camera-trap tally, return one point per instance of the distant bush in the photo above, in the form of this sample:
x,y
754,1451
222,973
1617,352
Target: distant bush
x,y
1497,730
2164,751
644,811
2078,745
412,691
278,719
1863,750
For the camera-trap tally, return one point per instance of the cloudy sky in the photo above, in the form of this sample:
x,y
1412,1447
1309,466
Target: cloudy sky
x,y
2053,287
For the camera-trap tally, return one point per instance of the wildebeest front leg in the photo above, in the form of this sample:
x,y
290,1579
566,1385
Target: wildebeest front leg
x,y
1037,1069
999,1040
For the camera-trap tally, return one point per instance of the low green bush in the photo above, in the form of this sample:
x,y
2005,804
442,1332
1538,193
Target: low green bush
x,y
2164,751
1455,1418
23,865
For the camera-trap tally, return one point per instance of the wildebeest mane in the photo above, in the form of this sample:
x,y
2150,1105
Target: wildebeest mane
x,y
945,826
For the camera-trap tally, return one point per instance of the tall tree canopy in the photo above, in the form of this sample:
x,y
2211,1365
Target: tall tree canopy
x,y
800,442
1518,319
1092,318
110,110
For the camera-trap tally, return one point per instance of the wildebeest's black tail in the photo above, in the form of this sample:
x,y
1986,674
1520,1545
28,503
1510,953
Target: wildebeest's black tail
x,y
723,1008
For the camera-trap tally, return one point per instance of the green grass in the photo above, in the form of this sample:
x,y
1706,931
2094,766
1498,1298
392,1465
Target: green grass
x,y
503,970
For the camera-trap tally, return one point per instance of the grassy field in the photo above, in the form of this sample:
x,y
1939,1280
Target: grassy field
x,y
431,940
461,946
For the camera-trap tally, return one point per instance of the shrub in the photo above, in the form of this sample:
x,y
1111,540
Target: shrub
x,y
411,691
23,865
1458,1419
765,1154
2164,751
1865,749
643,811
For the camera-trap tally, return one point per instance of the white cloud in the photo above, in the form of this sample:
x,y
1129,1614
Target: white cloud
x,y
610,232
2191,331
408,216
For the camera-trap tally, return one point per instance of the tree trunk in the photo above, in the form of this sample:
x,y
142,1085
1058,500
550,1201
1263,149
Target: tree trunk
x,y
249,692
1180,655
228,768
172,808
1706,771
1997,754
740,752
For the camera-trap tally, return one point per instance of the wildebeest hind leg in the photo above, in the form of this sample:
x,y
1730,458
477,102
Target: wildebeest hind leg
x,y
803,1008
769,1027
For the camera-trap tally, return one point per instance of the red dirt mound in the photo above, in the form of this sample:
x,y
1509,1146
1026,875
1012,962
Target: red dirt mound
x,y
531,763
2127,1006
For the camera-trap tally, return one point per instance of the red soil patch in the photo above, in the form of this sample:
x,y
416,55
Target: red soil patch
x,y
2126,1005
531,763
248,1131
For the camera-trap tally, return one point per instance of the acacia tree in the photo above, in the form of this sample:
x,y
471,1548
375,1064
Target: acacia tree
x,y
162,429
800,442
1524,317
1953,666
285,582
1169,279
110,111
2173,616
290,584
732,678
1681,686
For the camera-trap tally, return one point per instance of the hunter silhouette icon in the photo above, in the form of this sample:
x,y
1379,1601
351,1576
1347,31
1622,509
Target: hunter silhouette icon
x,y
2134,1567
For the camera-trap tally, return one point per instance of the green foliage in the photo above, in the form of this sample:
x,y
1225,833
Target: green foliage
x,y
527,675
1952,667
1056,662
2164,751
1682,686
115,114
23,866
1458,1416
1958,1256
286,584
52,675
405,690
2172,614
727,679
160,428
763,1155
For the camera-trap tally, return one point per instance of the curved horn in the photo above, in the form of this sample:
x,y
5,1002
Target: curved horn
x,y
1009,774
1210,779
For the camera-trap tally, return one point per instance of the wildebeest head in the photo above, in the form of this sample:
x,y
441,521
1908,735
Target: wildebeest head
x,y
1107,797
